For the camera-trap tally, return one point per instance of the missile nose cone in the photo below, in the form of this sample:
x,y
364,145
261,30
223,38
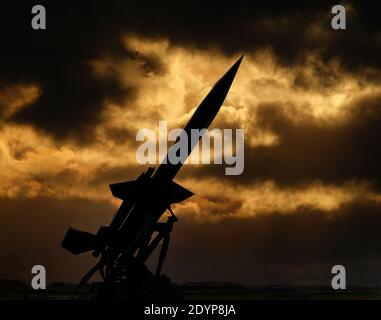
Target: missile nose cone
x,y
228,77
212,103
234,68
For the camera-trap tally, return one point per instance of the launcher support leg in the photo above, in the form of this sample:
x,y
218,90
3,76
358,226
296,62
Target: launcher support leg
x,y
165,243
163,236
163,253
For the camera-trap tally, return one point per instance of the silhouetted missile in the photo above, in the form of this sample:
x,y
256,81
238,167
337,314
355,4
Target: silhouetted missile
x,y
146,199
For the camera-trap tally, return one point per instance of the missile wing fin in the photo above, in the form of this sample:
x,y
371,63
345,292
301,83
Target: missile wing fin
x,y
177,193
123,190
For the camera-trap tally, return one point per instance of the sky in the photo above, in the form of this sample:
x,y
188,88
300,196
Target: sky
x,y
73,96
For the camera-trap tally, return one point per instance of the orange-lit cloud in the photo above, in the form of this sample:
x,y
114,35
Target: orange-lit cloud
x,y
33,164
308,98
15,97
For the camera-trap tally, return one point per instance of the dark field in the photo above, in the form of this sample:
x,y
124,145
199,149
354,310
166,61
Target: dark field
x,y
14,290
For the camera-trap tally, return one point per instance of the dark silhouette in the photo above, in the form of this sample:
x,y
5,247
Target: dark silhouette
x,y
125,245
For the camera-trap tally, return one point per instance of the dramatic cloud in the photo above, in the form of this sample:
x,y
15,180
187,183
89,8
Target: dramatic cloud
x,y
73,97
307,150
296,249
32,230
270,248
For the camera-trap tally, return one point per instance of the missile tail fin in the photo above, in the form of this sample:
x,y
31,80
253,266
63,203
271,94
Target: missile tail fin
x,y
77,241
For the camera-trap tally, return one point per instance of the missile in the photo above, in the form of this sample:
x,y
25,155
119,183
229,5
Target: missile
x,y
127,242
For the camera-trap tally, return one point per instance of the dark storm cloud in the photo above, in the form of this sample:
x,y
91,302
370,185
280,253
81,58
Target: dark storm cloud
x,y
284,27
275,248
335,152
32,230
289,29
58,60
73,96
266,249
